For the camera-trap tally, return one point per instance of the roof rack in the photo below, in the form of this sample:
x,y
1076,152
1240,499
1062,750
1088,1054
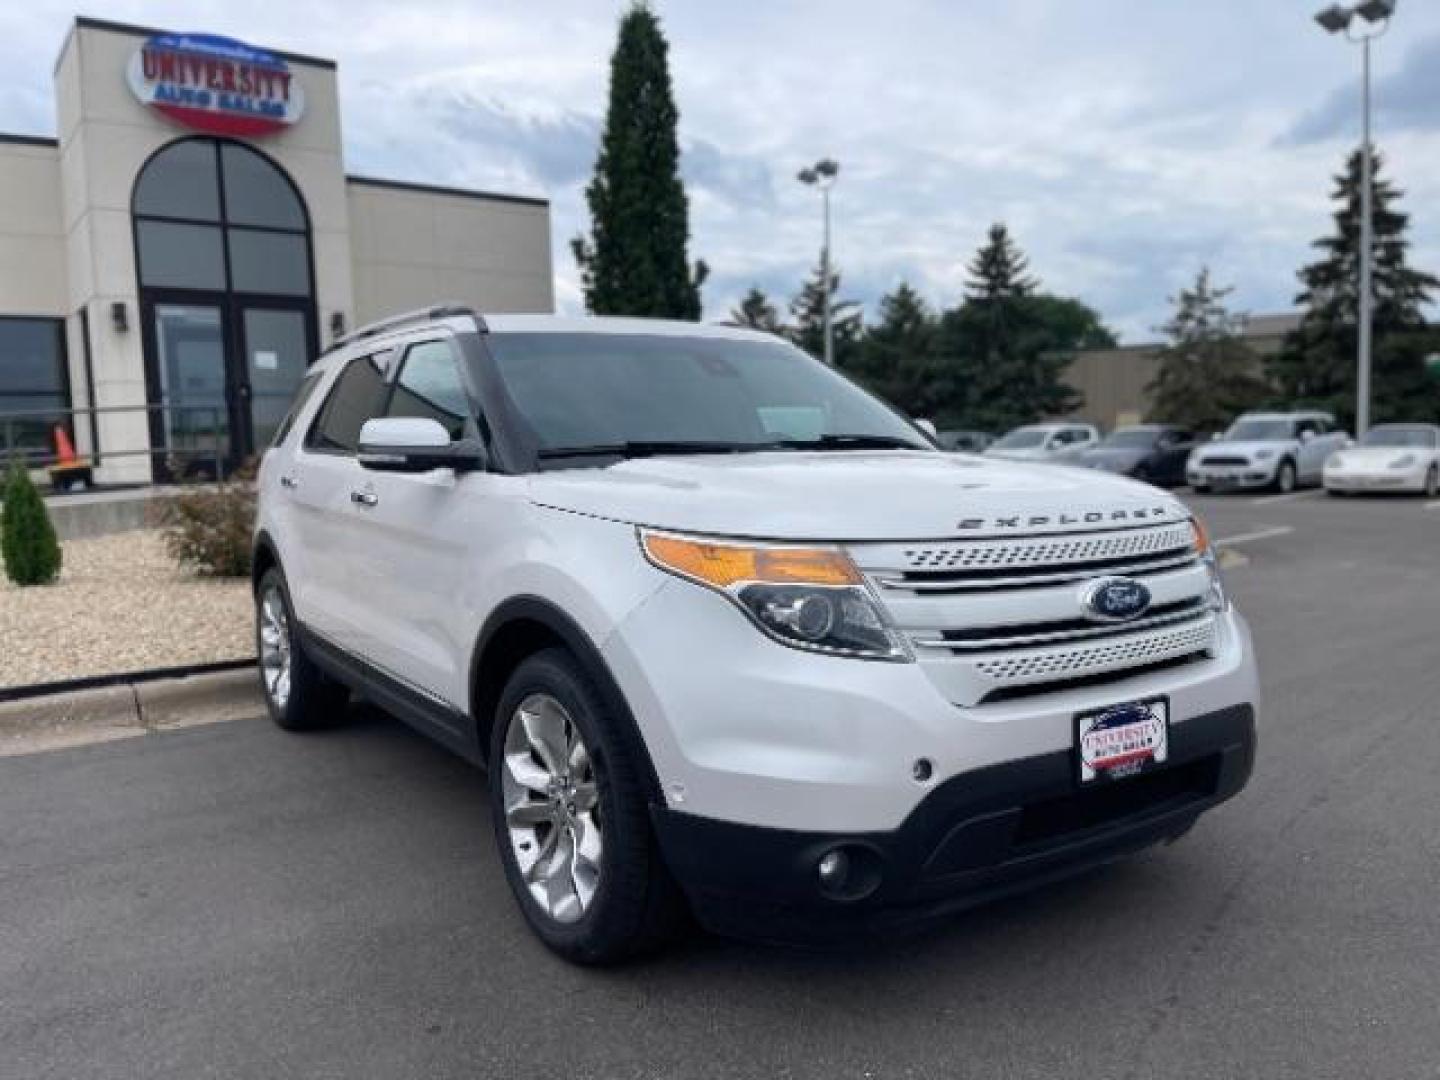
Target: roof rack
x,y
395,322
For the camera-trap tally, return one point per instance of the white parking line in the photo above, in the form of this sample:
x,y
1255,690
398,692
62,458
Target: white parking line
x,y
1259,534
1269,500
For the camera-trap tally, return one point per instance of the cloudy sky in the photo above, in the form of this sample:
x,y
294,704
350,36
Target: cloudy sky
x,y
1126,142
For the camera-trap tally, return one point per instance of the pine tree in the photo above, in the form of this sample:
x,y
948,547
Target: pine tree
x,y
27,538
1207,374
757,312
807,312
897,359
635,261
1317,365
1010,346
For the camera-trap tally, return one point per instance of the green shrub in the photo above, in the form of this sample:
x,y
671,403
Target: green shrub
x,y
27,537
212,528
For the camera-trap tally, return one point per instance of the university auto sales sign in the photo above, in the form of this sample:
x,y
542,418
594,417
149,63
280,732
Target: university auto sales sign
x,y
216,84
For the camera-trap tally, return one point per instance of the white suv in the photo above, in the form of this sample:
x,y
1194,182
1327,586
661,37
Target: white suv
x,y
732,635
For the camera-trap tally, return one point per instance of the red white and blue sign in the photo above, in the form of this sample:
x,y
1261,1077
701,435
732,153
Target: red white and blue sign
x,y
216,84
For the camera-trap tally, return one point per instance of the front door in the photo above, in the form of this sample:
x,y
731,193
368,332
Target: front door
x,y
223,370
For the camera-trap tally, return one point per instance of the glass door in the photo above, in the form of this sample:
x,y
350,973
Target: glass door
x,y
274,355
193,421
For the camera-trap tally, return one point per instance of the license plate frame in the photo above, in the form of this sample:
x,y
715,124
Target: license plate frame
x,y
1125,740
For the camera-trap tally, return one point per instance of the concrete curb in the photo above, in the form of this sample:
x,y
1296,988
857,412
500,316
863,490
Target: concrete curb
x,y
76,717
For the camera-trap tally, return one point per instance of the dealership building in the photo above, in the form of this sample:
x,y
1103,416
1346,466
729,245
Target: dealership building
x,y
189,241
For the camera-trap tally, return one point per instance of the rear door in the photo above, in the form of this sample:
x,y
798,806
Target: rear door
x,y
331,563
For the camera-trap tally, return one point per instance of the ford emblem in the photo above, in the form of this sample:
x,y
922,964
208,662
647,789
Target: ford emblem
x,y
1115,599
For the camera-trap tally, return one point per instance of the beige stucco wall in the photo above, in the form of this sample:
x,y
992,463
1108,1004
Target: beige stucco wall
x,y
32,239
414,246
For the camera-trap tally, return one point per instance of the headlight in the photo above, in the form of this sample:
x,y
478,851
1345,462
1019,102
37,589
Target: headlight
x,y
1264,455
1404,462
1219,599
808,598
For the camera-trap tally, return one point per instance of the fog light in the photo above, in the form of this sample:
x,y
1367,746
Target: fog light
x,y
834,868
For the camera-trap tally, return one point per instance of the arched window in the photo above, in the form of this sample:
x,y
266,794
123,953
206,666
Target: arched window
x,y
220,217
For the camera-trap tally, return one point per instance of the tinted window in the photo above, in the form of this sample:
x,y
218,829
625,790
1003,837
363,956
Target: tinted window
x,y
588,390
359,395
1021,439
429,386
269,262
180,181
1132,437
32,380
1260,431
180,256
256,193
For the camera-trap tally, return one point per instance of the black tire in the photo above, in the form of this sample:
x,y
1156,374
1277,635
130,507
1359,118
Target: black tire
x,y
1200,489
1334,494
313,699
1287,479
1432,482
636,906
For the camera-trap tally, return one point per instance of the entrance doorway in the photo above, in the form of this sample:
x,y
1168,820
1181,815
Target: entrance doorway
x,y
222,243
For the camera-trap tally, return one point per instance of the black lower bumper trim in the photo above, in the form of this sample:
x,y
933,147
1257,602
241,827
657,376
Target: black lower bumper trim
x,y
976,837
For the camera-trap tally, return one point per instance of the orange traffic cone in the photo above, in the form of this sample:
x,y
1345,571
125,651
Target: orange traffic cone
x,y
69,471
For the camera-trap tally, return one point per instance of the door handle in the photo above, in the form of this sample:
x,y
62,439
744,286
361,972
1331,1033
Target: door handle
x,y
364,498
289,482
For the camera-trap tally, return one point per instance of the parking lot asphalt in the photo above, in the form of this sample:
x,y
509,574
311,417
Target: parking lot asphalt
x,y
233,901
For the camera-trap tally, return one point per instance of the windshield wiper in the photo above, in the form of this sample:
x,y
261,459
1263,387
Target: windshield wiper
x,y
850,442
649,447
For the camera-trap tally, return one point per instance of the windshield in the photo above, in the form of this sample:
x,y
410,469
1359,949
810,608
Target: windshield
x,y
666,393
1022,439
1260,431
1399,436
1131,437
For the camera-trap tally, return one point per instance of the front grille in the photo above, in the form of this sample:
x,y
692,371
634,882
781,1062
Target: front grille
x,y
998,618
1222,459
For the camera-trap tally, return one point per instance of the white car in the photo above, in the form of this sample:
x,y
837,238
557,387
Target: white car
x,y
730,633
1391,457
1045,442
1281,451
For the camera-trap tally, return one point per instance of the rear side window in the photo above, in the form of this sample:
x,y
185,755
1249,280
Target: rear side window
x,y
359,395
302,395
429,386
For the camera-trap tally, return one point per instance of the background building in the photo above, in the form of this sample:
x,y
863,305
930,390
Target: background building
x,y
190,240
1115,381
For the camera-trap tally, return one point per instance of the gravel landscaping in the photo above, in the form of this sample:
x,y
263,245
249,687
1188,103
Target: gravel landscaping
x,y
121,604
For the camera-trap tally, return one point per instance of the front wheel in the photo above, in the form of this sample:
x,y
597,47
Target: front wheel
x,y
1432,482
1285,478
571,818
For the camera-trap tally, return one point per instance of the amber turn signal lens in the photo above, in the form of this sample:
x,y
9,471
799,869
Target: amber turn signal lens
x,y
1202,536
723,565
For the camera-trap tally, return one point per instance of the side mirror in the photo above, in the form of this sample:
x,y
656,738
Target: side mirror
x,y
928,427
415,445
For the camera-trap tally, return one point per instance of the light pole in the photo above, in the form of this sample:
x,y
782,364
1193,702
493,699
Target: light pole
x,y
822,175
1339,19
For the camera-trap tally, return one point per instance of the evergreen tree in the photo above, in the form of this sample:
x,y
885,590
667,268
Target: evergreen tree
x,y
1317,365
757,312
897,359
1010,346
807,312
27,538
1207,374
635,261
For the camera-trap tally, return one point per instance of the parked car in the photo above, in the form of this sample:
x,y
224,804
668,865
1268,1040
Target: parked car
x,y
969,442
1155,453
1267,450
1045,442
1390,457
728,632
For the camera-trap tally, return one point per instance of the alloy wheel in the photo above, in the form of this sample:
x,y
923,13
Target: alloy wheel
x,y
1287,477
275,647
1432,482
552,808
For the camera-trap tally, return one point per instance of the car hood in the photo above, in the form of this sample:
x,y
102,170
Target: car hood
x,y
1239,449
852,495
1032,453
1379,457
1116,457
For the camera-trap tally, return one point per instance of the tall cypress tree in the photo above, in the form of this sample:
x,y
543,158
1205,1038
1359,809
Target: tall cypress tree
x,y
635,260
1317,365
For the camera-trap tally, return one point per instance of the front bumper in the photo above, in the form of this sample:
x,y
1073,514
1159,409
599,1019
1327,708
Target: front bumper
x,y
1257,474
1358,480
978,836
